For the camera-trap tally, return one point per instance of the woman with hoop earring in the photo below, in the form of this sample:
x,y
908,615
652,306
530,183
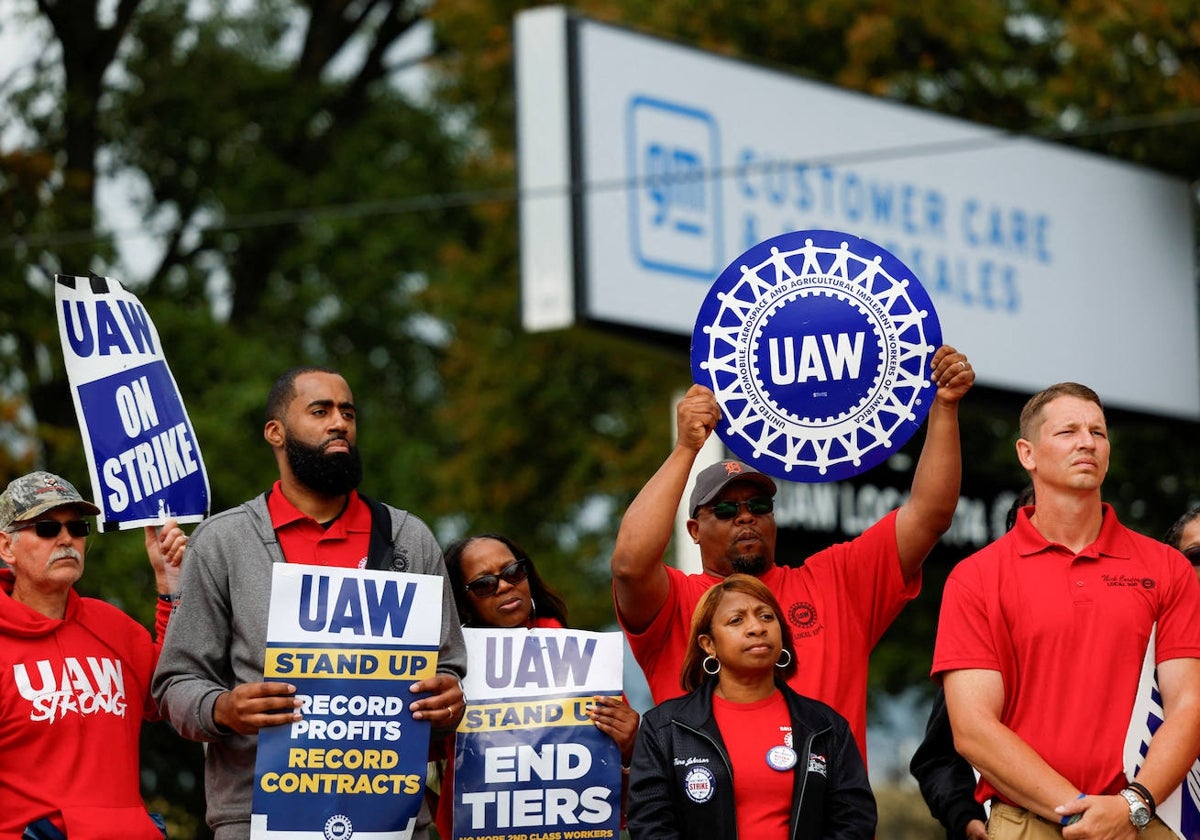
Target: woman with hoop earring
x,y
742,754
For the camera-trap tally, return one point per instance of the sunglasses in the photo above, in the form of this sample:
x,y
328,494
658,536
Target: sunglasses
x,y
758,506
48,529
487,585
1193,555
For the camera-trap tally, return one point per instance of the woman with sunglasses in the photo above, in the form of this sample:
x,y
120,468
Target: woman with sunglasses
x,y
496,584
1185,536
742,754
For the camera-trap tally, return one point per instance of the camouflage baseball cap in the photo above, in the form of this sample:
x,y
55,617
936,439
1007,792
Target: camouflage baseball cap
x,y
29,496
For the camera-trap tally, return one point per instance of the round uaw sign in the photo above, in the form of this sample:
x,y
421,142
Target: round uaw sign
x,y
817,345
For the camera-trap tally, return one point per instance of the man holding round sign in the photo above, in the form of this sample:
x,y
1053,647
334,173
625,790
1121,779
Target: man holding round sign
x,y
840,601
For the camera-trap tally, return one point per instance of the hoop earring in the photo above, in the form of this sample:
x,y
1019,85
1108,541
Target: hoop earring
x,y
782,653
704,665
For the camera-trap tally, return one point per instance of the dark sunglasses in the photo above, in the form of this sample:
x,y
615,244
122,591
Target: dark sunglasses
x,y
1193,555
48,529
487,585
758,506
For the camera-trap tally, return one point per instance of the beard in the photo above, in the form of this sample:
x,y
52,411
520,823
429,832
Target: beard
x,y
749,564
329,475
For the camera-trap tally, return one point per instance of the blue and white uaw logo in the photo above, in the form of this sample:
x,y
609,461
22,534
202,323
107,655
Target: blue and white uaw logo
x,y
817,345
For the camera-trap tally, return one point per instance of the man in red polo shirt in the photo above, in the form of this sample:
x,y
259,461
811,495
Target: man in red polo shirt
x,y
209,678
838,602
1041,641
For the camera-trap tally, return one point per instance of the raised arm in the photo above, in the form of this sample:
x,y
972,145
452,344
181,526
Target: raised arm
x,y
640,582
164,549
929,509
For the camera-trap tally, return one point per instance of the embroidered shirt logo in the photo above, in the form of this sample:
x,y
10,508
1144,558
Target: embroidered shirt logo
x,y
92,687
1131,581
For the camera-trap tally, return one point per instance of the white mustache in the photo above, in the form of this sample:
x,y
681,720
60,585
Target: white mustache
x,y
73,553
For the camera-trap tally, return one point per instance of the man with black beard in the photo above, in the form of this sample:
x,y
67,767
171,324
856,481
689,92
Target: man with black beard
x,y
209,677
838,602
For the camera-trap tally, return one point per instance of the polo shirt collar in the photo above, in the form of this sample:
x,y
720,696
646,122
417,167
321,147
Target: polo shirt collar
x,y
1112,541
284,513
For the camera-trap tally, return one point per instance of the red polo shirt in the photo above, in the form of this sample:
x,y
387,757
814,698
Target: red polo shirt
x,y
1068,633
343,542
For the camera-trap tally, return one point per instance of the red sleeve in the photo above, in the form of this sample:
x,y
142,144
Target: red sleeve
x,y
162,615
964,638
864,575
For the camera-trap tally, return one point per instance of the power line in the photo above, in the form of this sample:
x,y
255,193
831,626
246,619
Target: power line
x,y
471,198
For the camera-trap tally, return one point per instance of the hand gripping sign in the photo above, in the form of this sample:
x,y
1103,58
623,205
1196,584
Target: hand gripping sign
x,y
352,642
817,345
142,453
528,761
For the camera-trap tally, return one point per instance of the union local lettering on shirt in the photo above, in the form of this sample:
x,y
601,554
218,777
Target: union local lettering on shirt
x,y
92,687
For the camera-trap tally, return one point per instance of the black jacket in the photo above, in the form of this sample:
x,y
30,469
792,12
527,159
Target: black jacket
x,y
946,780
833,801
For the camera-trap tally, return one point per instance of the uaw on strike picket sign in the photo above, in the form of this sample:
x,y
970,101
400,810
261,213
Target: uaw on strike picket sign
x,y
142,453
352,641
817,345
529,764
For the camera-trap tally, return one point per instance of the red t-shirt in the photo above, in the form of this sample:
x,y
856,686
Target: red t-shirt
x,y
763,774
1068,634
302,539
838,605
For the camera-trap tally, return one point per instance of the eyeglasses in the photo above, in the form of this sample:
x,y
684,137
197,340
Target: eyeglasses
x,y
48,529
485,586
758,506
1193,555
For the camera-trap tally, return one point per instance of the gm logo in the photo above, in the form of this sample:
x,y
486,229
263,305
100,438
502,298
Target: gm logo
x,y
817,346
674,200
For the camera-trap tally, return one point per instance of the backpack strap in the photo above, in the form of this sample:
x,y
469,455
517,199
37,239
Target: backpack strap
x,y
379,549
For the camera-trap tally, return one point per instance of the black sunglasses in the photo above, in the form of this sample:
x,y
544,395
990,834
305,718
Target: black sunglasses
x,y
48,529
758,506
487,585
1193,555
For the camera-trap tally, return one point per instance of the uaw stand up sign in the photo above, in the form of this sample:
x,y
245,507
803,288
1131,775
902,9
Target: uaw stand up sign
x,y
817,346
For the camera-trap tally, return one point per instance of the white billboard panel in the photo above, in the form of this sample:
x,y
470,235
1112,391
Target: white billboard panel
x,y
1044,263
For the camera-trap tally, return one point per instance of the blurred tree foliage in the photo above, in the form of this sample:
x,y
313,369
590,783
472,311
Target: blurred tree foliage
x,y
303,196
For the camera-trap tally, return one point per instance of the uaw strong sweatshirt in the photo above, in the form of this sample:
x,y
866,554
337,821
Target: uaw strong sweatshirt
x,y
73,695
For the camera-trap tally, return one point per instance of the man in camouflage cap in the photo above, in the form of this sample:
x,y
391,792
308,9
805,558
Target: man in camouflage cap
x,y
30,496
74,672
